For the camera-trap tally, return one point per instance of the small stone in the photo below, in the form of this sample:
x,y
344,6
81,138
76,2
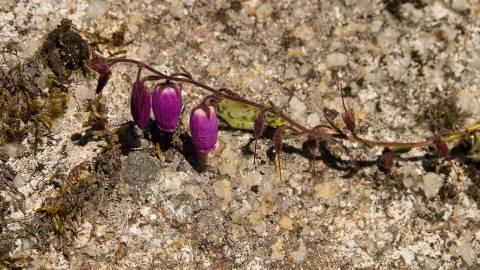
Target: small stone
x,y
297,107
389,36
223,189
20,180
84,92
133,24
337,60
468,99
239,215
431,263
313,119
326,190
460,5
277,250
172,183
194,191
144,51
304,32
264,11
251,179
214,69
96,9
29,47
300,254
229,162
91,249
286,223
376,26
12,150
431,184
140,169
439,11
467,253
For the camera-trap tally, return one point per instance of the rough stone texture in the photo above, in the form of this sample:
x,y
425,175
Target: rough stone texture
x,y
400,64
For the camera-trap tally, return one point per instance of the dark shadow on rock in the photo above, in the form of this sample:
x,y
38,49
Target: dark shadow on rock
x,y
188,151
82,139
163,139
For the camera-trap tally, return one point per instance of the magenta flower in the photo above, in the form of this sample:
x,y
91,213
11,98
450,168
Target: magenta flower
x,y
167,106
140,104
204,128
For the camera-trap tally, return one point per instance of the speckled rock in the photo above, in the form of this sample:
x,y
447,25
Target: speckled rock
x,y
402,66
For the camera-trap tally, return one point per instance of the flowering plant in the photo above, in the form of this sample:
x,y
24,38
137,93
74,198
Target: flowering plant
x,y
166,102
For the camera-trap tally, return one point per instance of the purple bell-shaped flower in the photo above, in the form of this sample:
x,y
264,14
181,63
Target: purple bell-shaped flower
x,y
204,128
167,106
140,104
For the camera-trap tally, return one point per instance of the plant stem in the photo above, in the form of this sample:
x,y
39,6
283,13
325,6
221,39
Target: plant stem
x,y
293,125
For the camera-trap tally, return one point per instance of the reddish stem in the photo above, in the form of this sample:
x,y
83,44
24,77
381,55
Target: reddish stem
x,y
293,125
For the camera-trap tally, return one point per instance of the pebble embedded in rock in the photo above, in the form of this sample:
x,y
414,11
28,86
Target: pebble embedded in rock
x,y
229,162
20,180
432,183
223,189
300,254
460,5
467,253
327,190
84,92
96,9
468,100
337,60
313,119
277,249
286,223
297,107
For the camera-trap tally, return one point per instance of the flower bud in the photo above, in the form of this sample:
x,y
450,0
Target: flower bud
x,y
140,104
204,128
102,81
99,64
167,106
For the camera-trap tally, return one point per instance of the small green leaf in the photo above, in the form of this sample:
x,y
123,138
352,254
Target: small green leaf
x,y
449,120
241,116
400,150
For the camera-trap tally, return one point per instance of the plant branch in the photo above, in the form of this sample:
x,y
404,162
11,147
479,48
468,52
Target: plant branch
x,y
296,127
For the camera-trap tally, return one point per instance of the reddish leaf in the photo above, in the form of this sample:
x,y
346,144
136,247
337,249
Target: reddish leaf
x,y
258,124
349,120
258,128
278,140
388,159
102,81
277,145
348,116
442,147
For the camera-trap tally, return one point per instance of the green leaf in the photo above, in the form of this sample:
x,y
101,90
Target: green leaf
x,y
400,150
241,116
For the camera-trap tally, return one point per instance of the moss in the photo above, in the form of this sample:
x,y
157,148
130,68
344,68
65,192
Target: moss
x,y
96,124
65,50
118,37
444,115
52,108
24,107
88,182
